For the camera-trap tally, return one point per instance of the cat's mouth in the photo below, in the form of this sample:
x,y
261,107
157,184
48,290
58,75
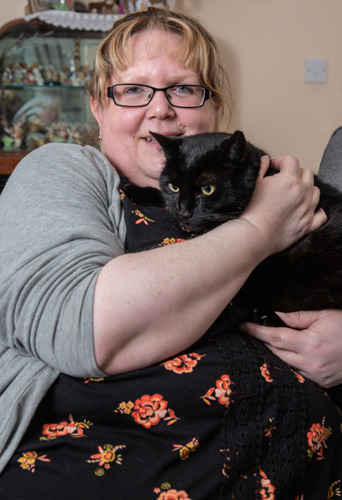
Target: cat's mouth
x,y
192,227
196,227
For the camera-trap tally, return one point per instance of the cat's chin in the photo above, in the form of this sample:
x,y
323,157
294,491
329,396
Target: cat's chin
x,y
193,229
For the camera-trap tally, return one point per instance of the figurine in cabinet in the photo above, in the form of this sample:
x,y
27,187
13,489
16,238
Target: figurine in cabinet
x,y
36,135
44,71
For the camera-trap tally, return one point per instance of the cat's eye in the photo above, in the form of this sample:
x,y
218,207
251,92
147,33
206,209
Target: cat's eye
x,y
173,188
208,189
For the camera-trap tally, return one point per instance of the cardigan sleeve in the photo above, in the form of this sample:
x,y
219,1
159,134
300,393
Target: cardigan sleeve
x,y
61,222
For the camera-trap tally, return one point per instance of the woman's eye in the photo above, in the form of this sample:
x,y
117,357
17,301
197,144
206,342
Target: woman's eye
x,y
132,90
183,89
208,189
173,188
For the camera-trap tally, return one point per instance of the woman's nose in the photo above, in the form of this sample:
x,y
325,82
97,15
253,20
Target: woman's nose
x,y
159,107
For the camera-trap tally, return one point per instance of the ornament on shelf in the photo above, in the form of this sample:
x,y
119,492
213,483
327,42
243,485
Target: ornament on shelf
x,y
126,6
107,7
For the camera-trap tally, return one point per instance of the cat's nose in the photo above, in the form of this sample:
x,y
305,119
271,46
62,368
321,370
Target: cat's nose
x,y
186,215
185,209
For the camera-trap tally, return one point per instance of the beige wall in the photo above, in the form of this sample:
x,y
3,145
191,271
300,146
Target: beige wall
x,y
11,10
264,44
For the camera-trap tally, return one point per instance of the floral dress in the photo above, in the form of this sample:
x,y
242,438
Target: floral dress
x,y
225,419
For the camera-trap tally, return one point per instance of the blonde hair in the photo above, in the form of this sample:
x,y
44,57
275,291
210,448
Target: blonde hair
x,y
197,49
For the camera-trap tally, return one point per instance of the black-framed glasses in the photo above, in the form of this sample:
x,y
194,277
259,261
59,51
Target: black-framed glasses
x,y
136,95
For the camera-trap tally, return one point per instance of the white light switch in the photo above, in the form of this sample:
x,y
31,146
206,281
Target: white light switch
x,y
316,70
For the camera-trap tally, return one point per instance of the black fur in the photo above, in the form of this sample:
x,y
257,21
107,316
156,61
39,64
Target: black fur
x,y
308,275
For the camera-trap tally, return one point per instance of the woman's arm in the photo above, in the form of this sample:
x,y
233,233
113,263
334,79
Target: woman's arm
x,y
151,305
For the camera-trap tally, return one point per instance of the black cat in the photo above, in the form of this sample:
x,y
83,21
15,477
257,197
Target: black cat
x,y
209,179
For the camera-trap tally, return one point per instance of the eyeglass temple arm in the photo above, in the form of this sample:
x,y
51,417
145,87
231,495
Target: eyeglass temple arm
x,y
109,92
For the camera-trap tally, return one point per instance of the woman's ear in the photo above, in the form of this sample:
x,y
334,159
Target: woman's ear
x,y
96,109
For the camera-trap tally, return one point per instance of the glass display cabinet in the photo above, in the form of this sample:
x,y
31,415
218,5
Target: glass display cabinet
x,y
44,71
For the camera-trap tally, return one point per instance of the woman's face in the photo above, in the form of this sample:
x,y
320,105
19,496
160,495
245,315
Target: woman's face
x,y
125,132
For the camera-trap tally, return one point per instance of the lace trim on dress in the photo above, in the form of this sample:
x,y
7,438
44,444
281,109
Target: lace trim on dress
x,y
265,411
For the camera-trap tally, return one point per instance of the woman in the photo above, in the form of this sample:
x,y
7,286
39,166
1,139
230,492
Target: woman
x,y
134,400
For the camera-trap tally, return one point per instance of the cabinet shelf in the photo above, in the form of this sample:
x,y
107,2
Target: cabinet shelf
x,y
44,73
9,160
19,86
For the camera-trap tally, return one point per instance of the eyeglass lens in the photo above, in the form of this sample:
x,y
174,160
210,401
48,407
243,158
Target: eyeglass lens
x,y
140,95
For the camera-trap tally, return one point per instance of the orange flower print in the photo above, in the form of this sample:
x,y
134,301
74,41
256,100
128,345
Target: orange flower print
x,y
75,429
149,410
267,488
317,437
90,379
300,378
171,417
221,392
266,373
270,428
170,241
183,364
28,460
186,449
335,490
142,217
106,455
125,408
209,396
226,467
172,494
55,430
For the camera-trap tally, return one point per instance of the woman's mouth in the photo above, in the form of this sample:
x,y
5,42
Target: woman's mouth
x,y
150,139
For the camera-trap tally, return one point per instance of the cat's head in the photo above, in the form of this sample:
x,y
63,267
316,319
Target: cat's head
x,y
208,178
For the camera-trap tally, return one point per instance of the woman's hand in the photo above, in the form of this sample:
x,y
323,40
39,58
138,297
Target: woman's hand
x,y
314,349
283,206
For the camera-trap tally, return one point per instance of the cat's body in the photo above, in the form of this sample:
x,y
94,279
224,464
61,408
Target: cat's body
x,y
209,179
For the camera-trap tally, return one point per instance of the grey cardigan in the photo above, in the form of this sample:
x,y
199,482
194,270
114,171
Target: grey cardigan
x,y
61,222
330,169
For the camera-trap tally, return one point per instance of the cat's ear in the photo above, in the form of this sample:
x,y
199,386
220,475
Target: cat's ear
x,y
169,144
235,146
